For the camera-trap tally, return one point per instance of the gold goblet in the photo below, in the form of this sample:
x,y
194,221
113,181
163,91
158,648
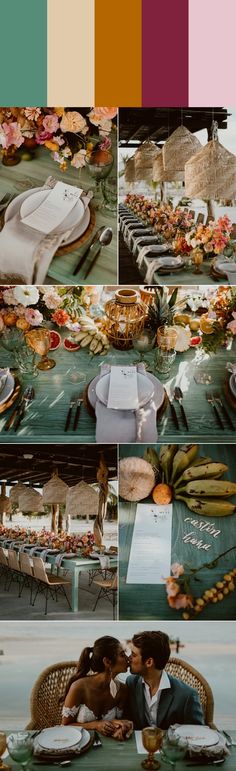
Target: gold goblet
x,y
198,260
152,740
40,340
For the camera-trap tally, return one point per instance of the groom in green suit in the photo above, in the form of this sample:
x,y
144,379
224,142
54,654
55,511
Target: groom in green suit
x,y
157,698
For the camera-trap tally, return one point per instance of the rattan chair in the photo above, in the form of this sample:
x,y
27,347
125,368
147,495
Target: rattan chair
x,y
48,692
4,567
50,586
107,591
185,672
14,566
27,574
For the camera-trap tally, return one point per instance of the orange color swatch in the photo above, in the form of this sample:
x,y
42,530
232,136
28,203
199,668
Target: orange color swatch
x,y
118,52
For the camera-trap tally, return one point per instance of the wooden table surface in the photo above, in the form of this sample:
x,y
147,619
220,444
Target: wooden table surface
x,y
138,601
46,416
29,174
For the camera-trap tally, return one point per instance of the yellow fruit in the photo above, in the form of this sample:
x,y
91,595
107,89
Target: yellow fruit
x,y
182,318
162,493
194,325
23,324
206,324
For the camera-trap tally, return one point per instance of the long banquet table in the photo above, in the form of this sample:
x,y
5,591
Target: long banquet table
x,y
116,755
46,416
29,174
74,567
148,601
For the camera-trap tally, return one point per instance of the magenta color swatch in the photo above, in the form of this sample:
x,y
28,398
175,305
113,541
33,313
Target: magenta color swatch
x,y
164,53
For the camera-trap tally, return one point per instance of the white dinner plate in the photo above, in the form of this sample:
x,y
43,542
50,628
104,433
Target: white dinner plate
x,y
15,206
35,200
232,385
8,389
59,737
145,389
159,392
198,735
170,262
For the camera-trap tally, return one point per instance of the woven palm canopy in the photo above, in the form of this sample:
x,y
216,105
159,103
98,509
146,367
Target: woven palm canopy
x,y
34,464
138,124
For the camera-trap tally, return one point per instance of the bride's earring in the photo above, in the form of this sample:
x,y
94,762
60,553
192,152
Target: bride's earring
x,y
113,687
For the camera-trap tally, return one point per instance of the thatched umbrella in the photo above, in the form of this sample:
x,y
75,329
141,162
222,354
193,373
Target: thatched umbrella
x,y
211,174
5,503
54,493
15,492
30,501
82,500
144,160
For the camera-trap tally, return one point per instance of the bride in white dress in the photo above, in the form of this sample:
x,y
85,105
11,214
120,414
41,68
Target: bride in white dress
x,y
95,699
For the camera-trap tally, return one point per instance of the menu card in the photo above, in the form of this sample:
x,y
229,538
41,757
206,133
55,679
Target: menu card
x,y
150,553
54,209
123,388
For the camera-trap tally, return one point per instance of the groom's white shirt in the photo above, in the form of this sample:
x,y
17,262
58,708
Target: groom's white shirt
x,y
152,702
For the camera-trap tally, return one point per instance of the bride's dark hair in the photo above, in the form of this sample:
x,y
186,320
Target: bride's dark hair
x,y
92,658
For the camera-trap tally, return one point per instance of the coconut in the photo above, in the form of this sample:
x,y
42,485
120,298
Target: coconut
x,y
136,479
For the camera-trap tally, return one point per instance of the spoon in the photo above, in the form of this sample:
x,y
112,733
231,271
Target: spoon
x,y
104,240
96,238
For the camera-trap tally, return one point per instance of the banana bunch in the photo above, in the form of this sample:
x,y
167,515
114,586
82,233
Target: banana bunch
x,y
90,335
196,480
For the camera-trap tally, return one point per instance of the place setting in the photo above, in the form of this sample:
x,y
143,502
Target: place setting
x,y
56,219
128,364
177,193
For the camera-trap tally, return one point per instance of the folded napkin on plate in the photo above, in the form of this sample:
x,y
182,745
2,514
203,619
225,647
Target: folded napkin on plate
x,y
127,425
25,254
154,248
103,559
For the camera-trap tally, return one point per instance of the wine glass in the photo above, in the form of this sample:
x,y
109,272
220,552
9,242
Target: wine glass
x,y
3,745
40,340
99,164
143,342
198,260
173,748
165,354
152,739
20,747
109,190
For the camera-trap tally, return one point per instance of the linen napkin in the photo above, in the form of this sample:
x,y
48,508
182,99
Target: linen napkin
x,y
127,425
144,240
25,254
154,248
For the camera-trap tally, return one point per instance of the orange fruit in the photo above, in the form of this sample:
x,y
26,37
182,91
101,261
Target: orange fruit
x,y
181,318
23,324
10,319
162,493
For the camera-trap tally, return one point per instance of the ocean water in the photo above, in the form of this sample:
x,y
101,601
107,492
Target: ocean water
x,y
30,647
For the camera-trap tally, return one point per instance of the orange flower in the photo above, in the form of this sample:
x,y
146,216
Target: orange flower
x,y
60,317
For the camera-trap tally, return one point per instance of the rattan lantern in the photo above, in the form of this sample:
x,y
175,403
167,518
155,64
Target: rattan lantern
x,y
178,148
15,492
148,295
82,500
55,491
211,173
125,318
144,159
30,500
160,175
130,171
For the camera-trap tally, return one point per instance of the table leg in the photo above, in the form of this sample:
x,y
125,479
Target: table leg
x,y
75,590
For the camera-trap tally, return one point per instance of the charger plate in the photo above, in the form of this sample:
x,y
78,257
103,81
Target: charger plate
x,y
12,398
59,738
90,408
83,746
229,395
198,735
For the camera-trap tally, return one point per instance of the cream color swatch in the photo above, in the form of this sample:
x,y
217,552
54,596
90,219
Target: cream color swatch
x,y
70,52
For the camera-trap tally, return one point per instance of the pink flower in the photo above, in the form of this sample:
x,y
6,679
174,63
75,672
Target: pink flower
x,y
177,569
78,160
181,601
9,297
232,324
41,136
106,144
99,114
74,122
51,123
52,299
172,588
10,134
33,316
32,113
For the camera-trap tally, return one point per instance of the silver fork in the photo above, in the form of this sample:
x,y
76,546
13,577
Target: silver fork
x,y
74,400
211,401
218,399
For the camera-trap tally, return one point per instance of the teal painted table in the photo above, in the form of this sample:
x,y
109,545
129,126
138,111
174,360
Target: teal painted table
x,y
183,277
75,567
34,173
45,418
116,755
138,601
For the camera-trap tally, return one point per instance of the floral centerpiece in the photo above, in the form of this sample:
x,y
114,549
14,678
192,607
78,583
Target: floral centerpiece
x,y
210,239
218,325
69,134
64,542
166,221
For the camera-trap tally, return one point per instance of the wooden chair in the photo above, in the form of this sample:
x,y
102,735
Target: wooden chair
x,y
108,590
48,692
14,565
49,585
200,218
4,566
27,574
185,672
